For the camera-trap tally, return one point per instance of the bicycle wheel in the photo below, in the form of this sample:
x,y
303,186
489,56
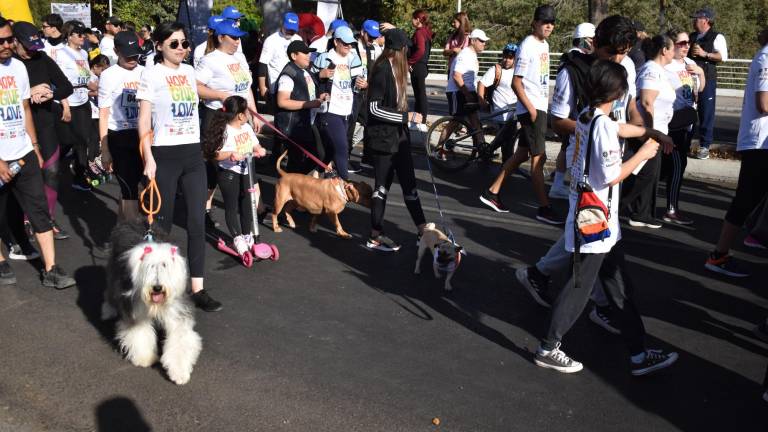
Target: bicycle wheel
x,y
449,144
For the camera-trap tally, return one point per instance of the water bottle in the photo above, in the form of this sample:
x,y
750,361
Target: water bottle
x,y
14,167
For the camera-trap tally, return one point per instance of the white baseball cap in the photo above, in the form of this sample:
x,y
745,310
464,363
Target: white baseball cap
x,y
478,34
584,30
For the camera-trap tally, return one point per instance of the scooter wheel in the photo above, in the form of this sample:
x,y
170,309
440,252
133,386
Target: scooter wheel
x,y
275,253
247,259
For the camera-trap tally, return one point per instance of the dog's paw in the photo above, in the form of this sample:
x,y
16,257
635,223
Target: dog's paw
x,y
179,377
145,360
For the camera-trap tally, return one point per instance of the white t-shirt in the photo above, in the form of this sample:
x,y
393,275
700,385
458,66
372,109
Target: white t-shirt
x,y
719,45
241,140
14,89
503,96
653,77
173,94
52,50
321,44
753,127
274,55
285,84
375,52
532,63
117,90
467,65
685,83
74,64
605,166
342,92
199,52
224,72
93,100
107,47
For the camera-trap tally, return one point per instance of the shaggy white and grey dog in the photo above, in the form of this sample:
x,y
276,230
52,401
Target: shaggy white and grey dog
x,y
146,287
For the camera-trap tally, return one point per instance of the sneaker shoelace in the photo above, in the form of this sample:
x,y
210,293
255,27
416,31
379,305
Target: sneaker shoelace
x,y
654,356
560,356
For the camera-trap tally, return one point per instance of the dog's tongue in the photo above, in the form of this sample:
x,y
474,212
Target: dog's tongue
x,y
157,297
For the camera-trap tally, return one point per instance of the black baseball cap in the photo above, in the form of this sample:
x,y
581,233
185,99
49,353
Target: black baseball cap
x,y
28,35
299,46
127,44
115,21
395,39
544,13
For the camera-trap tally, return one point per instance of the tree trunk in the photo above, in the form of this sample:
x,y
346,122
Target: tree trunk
x,y
598,10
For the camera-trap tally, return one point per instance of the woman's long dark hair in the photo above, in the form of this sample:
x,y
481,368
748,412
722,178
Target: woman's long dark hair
x,y
652,46
464,29
606,82
399,62
216,134
163,32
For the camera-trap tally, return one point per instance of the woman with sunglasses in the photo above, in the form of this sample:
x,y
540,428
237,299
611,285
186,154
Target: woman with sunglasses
x,y
340,69
73,61
169,132
688,80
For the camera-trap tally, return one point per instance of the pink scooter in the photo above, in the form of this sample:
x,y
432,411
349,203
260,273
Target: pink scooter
x,y
259,251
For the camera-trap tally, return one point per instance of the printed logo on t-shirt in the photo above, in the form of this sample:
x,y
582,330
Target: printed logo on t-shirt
x,y
686,79
128,102
241,77
544,72
243,143
83,73
183,96
10,109
342,77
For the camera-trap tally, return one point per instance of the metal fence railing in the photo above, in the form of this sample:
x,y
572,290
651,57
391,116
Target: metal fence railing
x,y
731,74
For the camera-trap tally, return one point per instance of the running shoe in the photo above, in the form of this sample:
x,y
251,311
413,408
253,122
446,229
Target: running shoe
x,y
754,243
57,278
382,243
205,302
675,218
7,276
703,153
26,253
644,223
654,361
725,265
557,360
535,283
493,201
547,215
602,317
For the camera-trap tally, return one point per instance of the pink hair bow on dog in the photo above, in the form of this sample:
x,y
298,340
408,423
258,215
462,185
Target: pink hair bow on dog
x,y
147,249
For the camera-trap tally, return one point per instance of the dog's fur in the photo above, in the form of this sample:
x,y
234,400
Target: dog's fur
x,y
146,286
317,196
446,254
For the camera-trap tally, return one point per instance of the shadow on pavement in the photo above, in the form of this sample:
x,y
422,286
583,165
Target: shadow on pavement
x,y
120,414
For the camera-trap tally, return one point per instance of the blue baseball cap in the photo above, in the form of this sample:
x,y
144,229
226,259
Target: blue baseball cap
x,y
231,13
337,23
229,28
291,21
345,34
372,28
214,21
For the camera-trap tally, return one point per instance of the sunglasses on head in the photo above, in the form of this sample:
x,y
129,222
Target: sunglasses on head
x,y
175,44
683,43
6,40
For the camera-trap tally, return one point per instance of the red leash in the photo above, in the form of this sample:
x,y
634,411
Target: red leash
x,y
285,137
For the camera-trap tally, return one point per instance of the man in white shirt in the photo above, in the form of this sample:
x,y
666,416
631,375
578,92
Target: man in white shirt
x,y
498,79
113,26
274,56
20,162
752,145
708,49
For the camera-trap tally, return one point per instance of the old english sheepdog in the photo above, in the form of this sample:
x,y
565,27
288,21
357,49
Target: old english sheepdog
x,y
146,287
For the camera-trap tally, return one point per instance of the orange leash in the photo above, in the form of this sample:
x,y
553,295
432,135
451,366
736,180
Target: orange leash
x,y
150,189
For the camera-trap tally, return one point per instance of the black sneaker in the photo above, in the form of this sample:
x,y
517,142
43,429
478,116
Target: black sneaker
x,y
59,233
547,215
209,222
676,218
655,360
56,278
382,243
354,167
493,201
7,276
535,282
726,265
205,302
25,253
601,315
556,360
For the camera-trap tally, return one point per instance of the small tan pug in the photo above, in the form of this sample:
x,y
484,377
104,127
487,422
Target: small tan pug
x,y
446,255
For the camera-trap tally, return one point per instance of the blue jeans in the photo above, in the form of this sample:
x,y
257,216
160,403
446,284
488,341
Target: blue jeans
x,y
707,100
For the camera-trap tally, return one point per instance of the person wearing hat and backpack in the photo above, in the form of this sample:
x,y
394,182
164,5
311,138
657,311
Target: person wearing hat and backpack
x,y
496,88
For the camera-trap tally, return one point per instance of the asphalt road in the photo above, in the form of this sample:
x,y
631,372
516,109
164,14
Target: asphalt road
x,y
333,337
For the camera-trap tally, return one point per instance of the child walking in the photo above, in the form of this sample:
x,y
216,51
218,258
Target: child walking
x,y
227,141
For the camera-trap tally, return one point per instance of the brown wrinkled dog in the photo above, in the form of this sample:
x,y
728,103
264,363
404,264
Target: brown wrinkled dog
x,y
317,196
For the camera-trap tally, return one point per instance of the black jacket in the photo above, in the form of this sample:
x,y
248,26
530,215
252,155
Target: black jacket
x,y
296,123
43,70
385,122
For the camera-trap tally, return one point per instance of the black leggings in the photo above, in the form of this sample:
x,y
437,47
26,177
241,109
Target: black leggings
x,y
752,186
673,166
86,149
45,125
237,202
127,164
418,82
181,166
385,165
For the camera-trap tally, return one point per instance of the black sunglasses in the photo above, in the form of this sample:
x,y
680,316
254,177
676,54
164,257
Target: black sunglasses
x,y
7,40
348,45
175,44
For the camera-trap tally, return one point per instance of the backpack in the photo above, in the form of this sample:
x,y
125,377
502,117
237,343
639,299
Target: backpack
x,y
496,79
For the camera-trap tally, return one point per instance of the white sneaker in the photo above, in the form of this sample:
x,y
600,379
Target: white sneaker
x,y
249,240
241,244
15,252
